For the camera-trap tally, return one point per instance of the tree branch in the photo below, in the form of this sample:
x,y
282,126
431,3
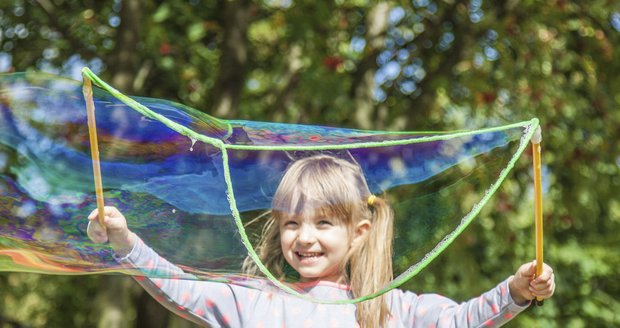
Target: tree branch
x,y
51,11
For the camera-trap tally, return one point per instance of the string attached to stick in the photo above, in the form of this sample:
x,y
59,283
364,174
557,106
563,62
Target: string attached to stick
x,y
87,89
538,213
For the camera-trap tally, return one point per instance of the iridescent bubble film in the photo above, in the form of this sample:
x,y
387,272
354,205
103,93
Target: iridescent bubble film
x,y
188,182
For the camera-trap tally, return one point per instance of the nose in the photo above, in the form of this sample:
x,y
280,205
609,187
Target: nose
x,y
306,234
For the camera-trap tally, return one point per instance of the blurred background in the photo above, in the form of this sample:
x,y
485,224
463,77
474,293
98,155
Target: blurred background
x,y
389,65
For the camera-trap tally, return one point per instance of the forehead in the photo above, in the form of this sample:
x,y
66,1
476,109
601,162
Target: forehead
x,y
313,210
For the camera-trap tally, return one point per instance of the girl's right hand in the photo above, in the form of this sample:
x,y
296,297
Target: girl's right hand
x,y
115,230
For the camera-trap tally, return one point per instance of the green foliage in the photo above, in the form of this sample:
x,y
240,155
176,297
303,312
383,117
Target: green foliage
x,y
438,65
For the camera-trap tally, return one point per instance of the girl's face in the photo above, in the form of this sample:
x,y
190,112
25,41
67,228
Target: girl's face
x,y
315,247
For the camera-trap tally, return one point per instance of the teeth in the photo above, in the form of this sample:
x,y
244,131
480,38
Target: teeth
x,y
309,254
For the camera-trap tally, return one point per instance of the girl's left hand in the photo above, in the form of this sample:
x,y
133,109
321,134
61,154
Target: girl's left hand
x,y
525,286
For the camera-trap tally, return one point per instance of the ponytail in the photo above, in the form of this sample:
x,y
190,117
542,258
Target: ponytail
x,y
371,265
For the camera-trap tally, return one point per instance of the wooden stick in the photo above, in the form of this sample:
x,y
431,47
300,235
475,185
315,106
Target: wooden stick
x,y
87,89
538,212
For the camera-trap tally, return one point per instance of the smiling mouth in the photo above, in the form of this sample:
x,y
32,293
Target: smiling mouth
x,y
309,255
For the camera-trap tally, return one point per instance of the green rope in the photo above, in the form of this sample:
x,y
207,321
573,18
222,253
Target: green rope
x,y
398,281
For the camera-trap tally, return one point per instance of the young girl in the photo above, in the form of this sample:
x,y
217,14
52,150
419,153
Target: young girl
x,y
337,236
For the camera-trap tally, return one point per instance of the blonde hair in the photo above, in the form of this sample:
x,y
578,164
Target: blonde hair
x,y
336,187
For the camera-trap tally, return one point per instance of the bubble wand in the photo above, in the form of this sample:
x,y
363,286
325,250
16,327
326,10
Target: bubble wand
x,y
87,90
538,215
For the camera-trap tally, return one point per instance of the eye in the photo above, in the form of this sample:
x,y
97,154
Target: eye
x,y
290,223
325,222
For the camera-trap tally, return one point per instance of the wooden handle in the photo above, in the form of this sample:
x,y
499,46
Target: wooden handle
x,y
87,89
538,213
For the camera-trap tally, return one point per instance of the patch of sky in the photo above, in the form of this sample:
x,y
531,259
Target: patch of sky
x,y
475,11
396,15
491,35
378,94
408,87
419,74
415,71
8,46
6,62
400,40
614,19
445,41
50,53
420,3
281,4
408,35
72,67
253,84
432,8
19,10
503,96
21,31
48,33
44,65
392,70
384,57
417,18
9,33
387,72
357,44
117,6
491,53
114,21
478,60
408,71
402,55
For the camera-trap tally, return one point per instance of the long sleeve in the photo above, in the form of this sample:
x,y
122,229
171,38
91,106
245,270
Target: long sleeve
x,y
491,309
257,303
205,303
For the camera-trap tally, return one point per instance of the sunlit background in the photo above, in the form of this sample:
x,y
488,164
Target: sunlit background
x,y
387,65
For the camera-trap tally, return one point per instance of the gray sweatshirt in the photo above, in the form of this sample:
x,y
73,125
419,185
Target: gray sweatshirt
x,y
258,303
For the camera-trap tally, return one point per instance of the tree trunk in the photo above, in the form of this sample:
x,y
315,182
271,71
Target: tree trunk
x,y
113,301
364,82
149,313
234,58
125,61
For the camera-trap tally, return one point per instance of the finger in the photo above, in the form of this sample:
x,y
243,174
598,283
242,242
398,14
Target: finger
x,y
546,275
94,214
96,233
544,293
111,211
543,290
528,269
544,278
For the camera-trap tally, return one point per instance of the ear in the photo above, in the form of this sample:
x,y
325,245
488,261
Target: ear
x,y
360,231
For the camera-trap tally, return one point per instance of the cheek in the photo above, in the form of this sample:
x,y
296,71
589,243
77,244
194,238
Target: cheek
x,y
286,238
339,240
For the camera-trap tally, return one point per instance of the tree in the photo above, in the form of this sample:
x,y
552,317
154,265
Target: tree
x,y
398,65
